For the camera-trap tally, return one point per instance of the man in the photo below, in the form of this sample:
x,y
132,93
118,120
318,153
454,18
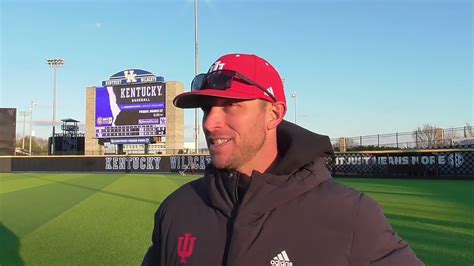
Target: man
x,y
267,197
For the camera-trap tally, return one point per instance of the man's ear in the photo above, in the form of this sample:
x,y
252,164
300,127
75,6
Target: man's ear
x,y
277,112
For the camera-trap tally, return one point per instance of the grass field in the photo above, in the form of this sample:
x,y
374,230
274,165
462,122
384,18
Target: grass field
x,y
106,219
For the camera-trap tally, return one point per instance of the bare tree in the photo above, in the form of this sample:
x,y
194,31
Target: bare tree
x,y
344,144
38,145
468,131
425,136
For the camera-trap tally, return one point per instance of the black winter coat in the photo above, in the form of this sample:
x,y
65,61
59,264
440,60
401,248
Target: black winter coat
x,y
294,215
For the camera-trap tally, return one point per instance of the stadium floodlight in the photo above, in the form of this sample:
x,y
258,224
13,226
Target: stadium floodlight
x,y
294,97
54,64
31,122
196,72
24,114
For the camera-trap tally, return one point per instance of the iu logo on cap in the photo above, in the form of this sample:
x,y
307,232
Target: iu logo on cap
x,y
185,246
218,65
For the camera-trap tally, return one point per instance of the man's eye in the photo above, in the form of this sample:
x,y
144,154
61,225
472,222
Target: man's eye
x,y
230,103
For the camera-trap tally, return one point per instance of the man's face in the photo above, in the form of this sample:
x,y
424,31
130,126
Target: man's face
x,y
235,131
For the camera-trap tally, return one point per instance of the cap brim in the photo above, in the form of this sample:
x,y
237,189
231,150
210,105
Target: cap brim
x,y
195,99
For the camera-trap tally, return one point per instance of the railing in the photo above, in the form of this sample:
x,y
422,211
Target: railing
x,y
418,139
160,151
426,139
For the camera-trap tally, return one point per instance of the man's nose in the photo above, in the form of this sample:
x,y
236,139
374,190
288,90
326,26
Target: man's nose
x,y
212,119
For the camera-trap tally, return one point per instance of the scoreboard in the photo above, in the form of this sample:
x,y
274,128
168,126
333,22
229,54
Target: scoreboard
x,y
131,105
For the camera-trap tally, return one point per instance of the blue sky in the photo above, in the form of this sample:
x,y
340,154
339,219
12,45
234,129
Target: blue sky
x,y
358,67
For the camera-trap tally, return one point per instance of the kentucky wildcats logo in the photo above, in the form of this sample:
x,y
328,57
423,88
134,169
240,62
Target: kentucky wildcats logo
x,y
130,76
455,159
186,246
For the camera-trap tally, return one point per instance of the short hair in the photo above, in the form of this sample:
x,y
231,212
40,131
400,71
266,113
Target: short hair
x,y
263,104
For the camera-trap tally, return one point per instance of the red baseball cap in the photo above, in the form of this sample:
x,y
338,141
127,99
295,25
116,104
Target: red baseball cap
x,y
252,67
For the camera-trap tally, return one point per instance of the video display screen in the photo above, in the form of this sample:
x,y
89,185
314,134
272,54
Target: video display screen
x,y
131,110
7,131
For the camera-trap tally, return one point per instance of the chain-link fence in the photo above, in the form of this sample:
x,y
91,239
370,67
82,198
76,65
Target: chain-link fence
x,y
160,151
422,138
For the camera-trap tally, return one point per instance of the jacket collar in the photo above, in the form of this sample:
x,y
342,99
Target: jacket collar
x,y
301,166
298,147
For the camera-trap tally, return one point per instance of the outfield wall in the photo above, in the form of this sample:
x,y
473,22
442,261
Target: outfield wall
x,y
423,163
398,163
143,163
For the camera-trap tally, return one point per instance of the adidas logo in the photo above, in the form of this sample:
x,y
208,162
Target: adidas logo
x,y
281,260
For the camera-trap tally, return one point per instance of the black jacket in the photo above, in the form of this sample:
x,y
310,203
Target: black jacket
x,y
293,215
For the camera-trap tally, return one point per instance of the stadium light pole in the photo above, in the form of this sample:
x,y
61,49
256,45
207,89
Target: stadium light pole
x,y
294,97
196,72
54,64
24,114
31,123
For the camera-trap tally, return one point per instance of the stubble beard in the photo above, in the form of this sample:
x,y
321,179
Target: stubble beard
x,y
250,145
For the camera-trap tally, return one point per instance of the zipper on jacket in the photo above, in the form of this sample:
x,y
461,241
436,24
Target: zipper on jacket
x,y
236,187
231,221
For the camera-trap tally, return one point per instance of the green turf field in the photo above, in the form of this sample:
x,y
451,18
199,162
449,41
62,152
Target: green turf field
x,y
99,219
